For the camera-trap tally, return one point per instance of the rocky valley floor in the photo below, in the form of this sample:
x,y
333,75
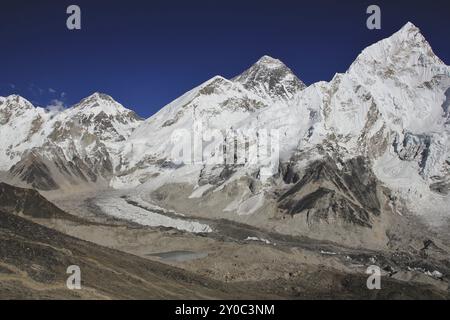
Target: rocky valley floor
x,y
127,260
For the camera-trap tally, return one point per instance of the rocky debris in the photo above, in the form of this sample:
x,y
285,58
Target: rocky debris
x,y
40,257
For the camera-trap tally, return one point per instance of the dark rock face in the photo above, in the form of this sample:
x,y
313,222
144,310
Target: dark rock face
x,y
28,202
442,187
328,193
44,174
310,201
270,77
287,171
34,172
216,175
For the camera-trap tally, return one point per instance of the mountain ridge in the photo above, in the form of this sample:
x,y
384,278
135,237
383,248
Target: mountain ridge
x,y
389,107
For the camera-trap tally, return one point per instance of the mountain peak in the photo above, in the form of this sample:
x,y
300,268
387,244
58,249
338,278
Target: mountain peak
x,y
96,99
408,27
98,96
217,78
406,49
98,103
410,33
269,62
270,79
16,101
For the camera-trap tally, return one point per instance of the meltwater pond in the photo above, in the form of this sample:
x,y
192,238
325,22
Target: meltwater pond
x,y
180,255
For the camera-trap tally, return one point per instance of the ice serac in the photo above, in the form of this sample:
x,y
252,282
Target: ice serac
x,y
271,79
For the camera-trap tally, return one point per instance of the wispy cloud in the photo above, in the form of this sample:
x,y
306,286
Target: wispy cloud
x,y
56,98
56,106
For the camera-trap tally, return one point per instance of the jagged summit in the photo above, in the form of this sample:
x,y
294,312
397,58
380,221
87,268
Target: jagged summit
x,y
98,103
15,100
269,62
409,26
405,50
100,96
271,79
218,79
16,108
96,97
410,34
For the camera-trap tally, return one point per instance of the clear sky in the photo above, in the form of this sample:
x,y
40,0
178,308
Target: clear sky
x,y
147,53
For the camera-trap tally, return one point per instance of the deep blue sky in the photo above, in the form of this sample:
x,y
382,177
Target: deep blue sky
x,y
147,53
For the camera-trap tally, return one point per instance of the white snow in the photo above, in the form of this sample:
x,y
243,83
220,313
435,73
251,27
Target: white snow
x,y
120,209
258,239
403,179
328,253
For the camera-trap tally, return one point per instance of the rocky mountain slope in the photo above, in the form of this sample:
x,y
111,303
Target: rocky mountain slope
x,y
34,259
50,150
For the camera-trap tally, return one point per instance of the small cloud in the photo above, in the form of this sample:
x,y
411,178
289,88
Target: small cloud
x,y
55,106
51,90
12,86
63,94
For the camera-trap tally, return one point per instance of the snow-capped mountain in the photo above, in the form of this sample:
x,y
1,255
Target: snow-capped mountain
x,y
56,149
376,139
393,97
20,123
217,104
390,109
